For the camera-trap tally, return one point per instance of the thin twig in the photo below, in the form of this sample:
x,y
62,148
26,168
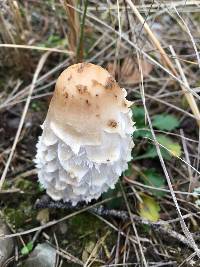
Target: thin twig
x,y
159,226
53,222
21,123
40,48
166,59
134,227
188,96
182,222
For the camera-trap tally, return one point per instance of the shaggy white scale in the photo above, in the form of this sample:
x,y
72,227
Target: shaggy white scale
x,y
86,174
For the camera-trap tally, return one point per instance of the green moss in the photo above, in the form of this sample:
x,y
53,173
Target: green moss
x,y
19,210
84,224
24,184
38,106
86,229
18,216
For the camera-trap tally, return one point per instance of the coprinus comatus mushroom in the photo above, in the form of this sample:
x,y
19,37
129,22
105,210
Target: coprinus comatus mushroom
x,y
86,140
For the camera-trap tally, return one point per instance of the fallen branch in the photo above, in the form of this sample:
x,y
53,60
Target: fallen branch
x,y
160,226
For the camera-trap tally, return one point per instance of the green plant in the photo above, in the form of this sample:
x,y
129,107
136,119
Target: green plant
x,y
27,248
162,121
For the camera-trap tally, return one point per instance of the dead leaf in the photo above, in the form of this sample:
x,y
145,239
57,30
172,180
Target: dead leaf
x,y
43,216
111,69
129,72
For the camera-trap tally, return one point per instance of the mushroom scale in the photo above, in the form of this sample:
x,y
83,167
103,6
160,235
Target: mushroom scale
x,y
87,135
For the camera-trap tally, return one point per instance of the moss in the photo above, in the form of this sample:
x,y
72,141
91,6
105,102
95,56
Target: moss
x,y
18,216
38,106
84,224
84,228
19,211
24,184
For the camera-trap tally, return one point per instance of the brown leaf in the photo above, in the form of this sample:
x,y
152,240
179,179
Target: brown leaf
x,y
43,216
129,72
111,69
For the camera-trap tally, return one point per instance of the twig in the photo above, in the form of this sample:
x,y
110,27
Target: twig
x,y
40,48
162,162
159,226
190,35
11,191
153,37
166,59
187,158
54,222
36,74
188,95
66,255
46,202
134,227
125,38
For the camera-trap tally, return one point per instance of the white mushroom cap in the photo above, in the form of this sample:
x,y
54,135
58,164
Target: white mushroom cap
x,y
86,140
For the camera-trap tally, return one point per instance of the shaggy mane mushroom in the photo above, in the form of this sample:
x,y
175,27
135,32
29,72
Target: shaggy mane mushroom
x,y
86,140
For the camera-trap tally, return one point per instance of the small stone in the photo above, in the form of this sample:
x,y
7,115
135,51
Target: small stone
x,y
43,255
6,245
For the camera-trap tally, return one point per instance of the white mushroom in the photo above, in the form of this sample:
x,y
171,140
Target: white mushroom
x,y
86,140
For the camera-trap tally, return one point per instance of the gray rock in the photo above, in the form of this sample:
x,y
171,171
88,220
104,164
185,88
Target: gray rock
x,y
43,255
6,245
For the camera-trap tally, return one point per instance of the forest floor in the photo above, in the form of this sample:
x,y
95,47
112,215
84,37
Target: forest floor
x,y
152,216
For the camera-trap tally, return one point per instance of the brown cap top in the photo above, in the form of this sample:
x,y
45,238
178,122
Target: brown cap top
x,y
86,101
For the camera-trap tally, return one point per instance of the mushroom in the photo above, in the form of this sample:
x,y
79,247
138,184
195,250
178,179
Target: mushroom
x,y
86,140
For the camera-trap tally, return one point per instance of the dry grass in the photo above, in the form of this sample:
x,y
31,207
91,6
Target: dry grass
x,y
124,36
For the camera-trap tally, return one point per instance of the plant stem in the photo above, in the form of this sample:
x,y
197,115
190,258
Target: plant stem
x,y
79,54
